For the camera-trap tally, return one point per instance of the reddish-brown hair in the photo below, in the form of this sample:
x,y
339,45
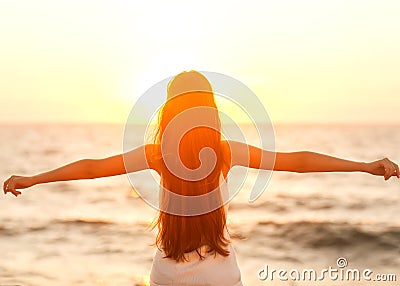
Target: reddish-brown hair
x,y
179,234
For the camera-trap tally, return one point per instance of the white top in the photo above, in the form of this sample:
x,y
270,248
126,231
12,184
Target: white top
x,y
219,270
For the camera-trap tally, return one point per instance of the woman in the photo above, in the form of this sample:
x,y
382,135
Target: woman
x,y
193,161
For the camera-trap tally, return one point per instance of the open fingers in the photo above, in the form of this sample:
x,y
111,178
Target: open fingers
x,y
385,166
391,169
15,192
6,185
395,169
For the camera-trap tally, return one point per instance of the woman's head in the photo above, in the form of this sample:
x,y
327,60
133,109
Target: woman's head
x,y
188,82
191,162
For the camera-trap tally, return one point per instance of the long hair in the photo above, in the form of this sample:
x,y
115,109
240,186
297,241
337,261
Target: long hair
x,y
178,234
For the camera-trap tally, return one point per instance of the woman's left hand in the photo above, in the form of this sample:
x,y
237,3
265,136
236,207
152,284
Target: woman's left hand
x,y
383,167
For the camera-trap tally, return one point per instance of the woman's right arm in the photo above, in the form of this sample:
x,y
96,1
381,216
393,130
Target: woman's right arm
x,y
136,160
77,170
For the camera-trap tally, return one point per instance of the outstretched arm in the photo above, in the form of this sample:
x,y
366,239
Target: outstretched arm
x,y
305,161
83,169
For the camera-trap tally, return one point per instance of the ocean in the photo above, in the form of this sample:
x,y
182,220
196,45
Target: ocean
x,y
96,232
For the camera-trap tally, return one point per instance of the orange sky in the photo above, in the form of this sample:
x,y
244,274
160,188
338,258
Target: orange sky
x,y
308,61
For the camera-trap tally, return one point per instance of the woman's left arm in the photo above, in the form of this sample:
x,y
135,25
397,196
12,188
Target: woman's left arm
x,y
242,154
316,162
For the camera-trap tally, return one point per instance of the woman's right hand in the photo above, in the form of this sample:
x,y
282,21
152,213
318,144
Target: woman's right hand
x,y
383,167
17,182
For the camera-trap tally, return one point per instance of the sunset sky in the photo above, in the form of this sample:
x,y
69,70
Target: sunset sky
x,y
308,61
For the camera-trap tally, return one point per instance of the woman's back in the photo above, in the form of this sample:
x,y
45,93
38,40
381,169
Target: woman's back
x,y
200,266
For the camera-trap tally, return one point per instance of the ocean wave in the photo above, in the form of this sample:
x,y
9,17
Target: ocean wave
x,y
83,221
98,222
286,203
317,234
267,205
14,228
